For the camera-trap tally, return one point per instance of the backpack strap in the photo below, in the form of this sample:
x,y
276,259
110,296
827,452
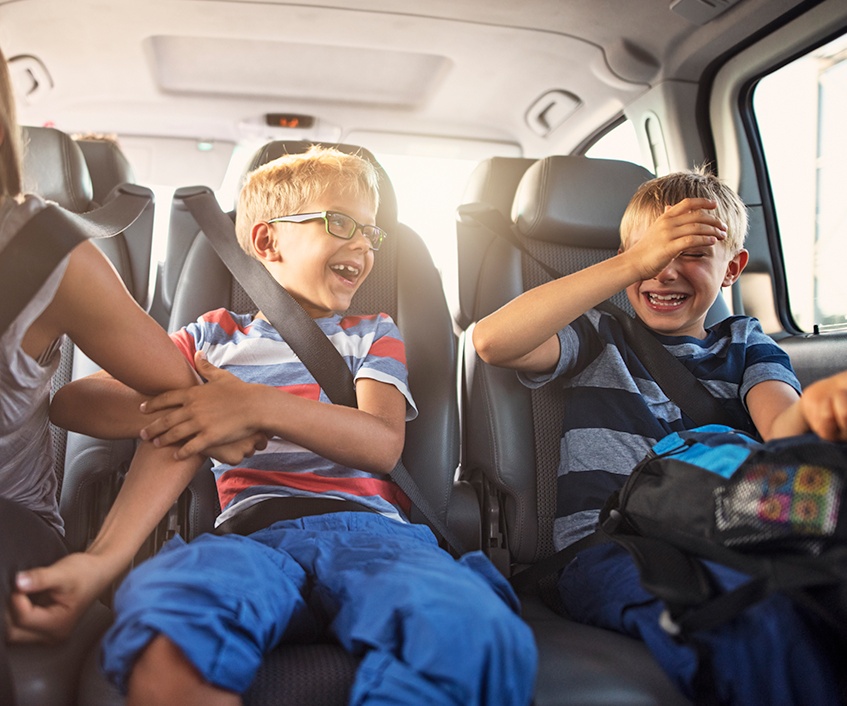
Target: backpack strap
x,y
527,581
46,239
301,332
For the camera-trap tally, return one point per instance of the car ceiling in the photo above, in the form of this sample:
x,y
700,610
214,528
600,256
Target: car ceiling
x,y
469,69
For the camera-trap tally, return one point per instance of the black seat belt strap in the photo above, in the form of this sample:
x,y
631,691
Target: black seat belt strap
x,y
677,381
300,331
313,348
527,580
47,238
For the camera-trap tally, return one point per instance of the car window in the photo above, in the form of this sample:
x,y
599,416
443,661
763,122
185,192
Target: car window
x,y
800,111
621,142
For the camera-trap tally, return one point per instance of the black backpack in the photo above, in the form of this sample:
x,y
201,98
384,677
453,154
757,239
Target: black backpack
x,y
773,510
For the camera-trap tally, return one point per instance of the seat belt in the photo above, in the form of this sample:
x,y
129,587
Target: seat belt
x,y
300,331
677,381
46,239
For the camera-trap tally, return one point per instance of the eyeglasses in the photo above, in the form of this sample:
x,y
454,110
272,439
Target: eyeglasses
x,y
339,225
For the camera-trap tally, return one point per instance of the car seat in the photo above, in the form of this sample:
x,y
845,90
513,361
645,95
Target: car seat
x,y
405,284
491,185
54,167
493,182
131,251
566,213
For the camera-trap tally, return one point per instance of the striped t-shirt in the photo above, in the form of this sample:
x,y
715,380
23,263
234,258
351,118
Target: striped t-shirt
x,y
615,411
252,350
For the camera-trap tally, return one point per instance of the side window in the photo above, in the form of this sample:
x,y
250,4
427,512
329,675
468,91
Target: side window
x,y
800,111
621,142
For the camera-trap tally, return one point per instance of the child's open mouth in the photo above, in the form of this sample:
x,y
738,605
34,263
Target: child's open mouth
x,y
665,301
347,272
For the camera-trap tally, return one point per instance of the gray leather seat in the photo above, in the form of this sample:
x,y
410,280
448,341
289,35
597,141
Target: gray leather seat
x,y
566,212
493,182
107,165
130,252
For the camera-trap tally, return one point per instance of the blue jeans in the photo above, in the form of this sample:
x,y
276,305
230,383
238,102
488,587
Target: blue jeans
x,y
768,655
429,629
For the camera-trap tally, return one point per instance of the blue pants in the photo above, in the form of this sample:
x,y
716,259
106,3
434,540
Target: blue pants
x,y
429,629
768,655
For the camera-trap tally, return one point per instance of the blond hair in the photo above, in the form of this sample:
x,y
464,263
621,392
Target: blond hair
x,y
10,148
653,196
286,185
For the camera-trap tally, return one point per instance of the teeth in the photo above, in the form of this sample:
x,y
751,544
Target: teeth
x,y
666,298
345,268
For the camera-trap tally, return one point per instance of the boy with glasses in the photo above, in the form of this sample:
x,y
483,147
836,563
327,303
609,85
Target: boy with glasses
x,y
194,622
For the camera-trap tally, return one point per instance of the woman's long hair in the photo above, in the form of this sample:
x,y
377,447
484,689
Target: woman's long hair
x,y
10,164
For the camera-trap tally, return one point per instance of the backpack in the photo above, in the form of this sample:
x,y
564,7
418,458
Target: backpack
x,y
772,510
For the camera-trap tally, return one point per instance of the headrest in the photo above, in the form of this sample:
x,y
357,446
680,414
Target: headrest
x,y
107,165
55,169
386,216
576,201
494,181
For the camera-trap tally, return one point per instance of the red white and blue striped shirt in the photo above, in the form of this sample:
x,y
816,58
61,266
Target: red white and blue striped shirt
x,y
252,350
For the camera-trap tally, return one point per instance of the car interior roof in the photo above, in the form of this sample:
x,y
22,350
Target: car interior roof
x,y
467,69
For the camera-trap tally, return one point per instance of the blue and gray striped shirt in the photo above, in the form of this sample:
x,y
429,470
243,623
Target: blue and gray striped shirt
x,y
615,411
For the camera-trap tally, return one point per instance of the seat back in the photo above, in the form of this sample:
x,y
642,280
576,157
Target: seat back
x,y
130,252
107,165
404,283
493,182
566,213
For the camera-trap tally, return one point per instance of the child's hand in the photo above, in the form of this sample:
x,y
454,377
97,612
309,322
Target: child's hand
x,y
683,226
236,451
216,414
69,586
824,407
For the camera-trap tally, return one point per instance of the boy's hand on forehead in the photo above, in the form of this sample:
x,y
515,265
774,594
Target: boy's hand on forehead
x,y
689,224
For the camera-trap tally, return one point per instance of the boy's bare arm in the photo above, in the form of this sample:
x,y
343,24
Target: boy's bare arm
x,y
522,334
368,438
152,485
822,409
100,406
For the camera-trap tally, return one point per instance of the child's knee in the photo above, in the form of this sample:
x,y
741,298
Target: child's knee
x,y
161,675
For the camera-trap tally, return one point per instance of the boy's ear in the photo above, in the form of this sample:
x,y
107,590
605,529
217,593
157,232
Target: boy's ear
x,y
735,267
264,241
